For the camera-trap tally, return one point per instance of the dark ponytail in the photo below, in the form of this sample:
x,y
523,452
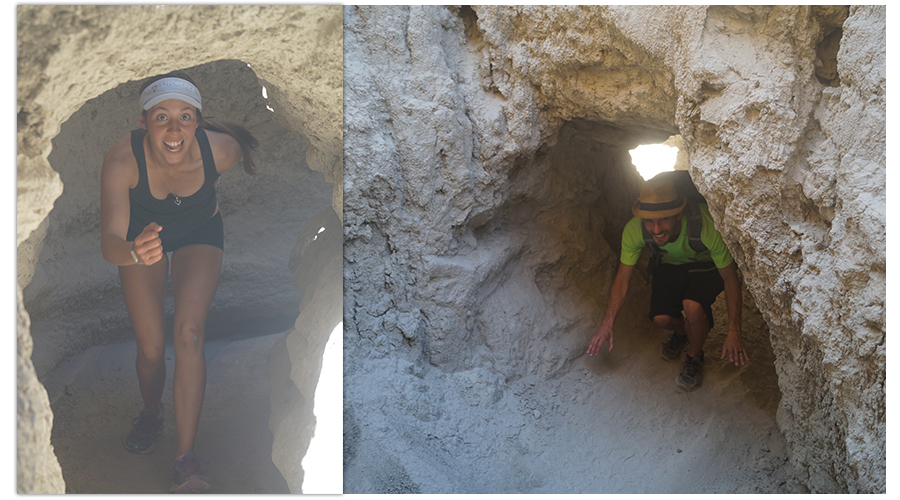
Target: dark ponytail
x,y
243,136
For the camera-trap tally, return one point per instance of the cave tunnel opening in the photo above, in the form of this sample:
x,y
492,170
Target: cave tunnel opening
x,y
74,297
560,230
576,202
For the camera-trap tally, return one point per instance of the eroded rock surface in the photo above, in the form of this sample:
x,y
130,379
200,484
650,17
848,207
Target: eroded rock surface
x,y
37,470
296,362
72,55
487,184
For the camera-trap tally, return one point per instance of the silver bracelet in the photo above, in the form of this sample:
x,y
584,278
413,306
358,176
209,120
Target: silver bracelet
x,y
135,257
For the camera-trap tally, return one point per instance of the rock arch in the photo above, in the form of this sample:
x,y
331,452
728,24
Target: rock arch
x,y
70,55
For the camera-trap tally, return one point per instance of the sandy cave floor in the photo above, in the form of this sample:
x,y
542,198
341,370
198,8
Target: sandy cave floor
x,y
94,396
614,423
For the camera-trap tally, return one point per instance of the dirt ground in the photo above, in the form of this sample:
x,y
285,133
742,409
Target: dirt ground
x,y
95,396
613,423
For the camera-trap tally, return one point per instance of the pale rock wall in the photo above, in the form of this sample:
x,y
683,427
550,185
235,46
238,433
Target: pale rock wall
x,y
37,470
458,220
796,171
68,55
296,361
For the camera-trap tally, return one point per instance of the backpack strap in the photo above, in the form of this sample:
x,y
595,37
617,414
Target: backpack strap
x,y
695,227
656,252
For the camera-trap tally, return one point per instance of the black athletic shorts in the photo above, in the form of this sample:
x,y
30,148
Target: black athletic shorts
x,y
211,233
699,281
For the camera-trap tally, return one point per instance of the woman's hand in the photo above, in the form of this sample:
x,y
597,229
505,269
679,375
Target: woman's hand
x,y
147,246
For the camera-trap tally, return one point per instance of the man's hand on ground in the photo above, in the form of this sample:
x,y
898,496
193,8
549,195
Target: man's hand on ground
x,y
734,348
603,334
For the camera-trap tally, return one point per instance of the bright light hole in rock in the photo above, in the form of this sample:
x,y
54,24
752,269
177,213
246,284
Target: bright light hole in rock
x,y
266,97
323,463
651,159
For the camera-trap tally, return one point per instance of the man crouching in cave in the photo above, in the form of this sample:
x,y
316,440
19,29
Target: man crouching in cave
x,y
688,277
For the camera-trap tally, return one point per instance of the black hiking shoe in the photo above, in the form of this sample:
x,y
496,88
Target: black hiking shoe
x,y
691,373
145,428
671,349
186,474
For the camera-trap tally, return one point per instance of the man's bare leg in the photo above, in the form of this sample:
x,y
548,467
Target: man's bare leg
x,y
696,326
671,349
670,323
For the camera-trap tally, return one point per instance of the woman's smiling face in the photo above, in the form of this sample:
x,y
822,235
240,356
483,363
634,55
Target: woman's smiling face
x,y
170,126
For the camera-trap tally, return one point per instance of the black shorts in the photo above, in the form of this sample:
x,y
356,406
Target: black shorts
x,y
212,232
700,282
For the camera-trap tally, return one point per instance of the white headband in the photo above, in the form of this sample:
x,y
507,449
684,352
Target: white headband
x,y
170,88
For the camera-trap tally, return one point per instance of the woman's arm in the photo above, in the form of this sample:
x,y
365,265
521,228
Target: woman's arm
x,y
119,174
226,150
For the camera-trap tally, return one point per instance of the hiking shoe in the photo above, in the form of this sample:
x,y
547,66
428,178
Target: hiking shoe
x,y
671,349
144,430
186,475
691,373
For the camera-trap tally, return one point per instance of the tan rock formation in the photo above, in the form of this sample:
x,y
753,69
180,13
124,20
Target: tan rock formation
x,y
487,184
70,55
296,363
37,470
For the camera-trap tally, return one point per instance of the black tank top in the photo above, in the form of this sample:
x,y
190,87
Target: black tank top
x,y
177,220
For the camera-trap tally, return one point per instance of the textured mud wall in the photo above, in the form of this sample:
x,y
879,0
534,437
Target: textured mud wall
x,y
466,255
37,470
70,55
794,161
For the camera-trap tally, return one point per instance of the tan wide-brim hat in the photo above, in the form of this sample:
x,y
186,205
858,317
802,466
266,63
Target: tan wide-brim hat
x,y
658,200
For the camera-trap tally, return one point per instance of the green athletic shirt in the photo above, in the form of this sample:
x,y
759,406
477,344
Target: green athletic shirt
x,y
680,251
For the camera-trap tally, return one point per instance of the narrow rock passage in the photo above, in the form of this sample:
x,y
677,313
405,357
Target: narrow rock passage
x,y
94,396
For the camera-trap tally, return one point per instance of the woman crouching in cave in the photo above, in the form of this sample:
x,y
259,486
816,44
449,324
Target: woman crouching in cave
x,y
158,198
